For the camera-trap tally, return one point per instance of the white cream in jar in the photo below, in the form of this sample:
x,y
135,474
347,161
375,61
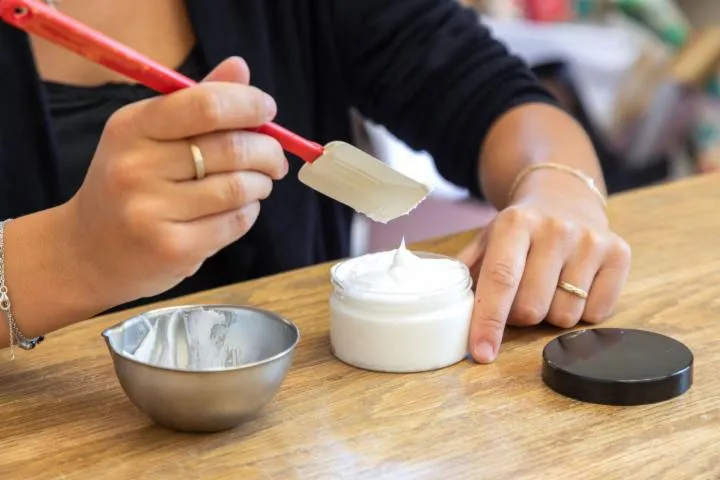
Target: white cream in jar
x,y
398,311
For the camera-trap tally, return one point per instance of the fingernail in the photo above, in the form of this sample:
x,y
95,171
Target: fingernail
x,y
484,352
270,107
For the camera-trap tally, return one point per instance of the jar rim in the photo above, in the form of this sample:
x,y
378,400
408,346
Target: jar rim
x,y
463,284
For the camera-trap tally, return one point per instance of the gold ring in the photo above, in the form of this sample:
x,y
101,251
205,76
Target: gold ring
x,y
199,162
570,288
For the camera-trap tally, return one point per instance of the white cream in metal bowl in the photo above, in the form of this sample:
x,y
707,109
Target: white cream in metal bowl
x,y
202,368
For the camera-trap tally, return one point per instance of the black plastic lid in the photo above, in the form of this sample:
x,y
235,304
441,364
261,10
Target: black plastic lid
x,y
614,366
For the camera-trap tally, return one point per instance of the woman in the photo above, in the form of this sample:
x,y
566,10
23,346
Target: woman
x,y
99,174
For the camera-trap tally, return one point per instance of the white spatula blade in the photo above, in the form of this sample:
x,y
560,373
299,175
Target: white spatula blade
x,y
350,176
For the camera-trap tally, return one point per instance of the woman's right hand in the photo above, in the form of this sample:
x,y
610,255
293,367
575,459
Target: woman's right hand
x,y
141,219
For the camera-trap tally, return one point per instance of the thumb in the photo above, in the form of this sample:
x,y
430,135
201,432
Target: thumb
x,y
472,256
234,70
473,252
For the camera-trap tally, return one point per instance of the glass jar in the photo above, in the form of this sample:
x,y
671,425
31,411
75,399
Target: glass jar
x,y
400,332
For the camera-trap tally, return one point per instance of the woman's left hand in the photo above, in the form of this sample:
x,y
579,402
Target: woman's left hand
x,y
528,251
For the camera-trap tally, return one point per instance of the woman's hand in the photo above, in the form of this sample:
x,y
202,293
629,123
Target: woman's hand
x,y
142,220
529,248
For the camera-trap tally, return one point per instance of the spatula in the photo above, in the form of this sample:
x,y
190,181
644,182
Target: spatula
x,y
338,170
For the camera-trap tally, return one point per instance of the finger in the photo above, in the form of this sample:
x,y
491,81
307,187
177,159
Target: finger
x,y
203,108
213,233
539,281
237,151
216,194
500,274
567,308
472,256
608,284
234,69
223,153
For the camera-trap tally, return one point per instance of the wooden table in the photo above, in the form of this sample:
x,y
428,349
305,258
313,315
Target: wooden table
x,y
63,414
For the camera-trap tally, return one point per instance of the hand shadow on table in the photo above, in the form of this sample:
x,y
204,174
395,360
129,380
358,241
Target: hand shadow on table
x,y
530,334
520,336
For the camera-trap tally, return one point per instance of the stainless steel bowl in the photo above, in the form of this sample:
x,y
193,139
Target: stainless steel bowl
x,y
202,368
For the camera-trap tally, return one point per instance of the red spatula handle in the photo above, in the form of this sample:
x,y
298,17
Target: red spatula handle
x,y
43,21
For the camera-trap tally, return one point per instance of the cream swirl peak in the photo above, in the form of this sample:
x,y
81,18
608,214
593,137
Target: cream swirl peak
x,y
400,271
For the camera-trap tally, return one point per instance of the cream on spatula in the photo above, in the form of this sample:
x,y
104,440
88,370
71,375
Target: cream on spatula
x,y
338,170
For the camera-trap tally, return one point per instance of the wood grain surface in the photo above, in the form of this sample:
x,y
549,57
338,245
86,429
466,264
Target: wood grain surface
x,y
63,414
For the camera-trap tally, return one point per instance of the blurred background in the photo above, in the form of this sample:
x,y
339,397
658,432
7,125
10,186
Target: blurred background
x,y
642,77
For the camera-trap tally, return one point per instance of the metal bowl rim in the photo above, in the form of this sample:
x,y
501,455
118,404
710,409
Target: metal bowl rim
x,y
158,311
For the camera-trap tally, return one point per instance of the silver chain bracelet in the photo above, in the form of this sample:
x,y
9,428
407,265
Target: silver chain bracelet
x,y
16,337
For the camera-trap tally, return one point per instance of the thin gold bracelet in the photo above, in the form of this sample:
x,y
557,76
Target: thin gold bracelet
x,y
586,179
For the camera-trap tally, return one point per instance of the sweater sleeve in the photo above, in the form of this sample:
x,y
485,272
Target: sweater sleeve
x,y
433,75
